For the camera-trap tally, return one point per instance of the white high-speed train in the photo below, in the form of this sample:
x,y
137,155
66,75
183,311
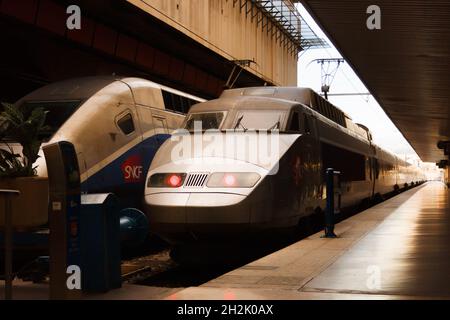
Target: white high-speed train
x,y
199,189
116,125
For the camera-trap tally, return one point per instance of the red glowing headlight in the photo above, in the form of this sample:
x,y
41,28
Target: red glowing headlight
x,y
233,179
174,180
166,180
229,180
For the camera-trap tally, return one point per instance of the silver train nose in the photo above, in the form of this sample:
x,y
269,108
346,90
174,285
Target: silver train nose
x,y
197,207
188,218
202,203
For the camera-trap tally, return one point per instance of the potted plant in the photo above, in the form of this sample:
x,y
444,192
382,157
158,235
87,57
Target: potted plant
x,y
17,171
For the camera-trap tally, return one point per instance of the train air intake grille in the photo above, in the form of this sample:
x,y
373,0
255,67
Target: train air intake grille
x,y
196,180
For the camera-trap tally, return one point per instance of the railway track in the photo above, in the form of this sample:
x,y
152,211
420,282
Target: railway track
x,y
158,269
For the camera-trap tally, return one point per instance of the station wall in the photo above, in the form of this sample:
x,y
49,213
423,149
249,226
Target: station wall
x,y
224,27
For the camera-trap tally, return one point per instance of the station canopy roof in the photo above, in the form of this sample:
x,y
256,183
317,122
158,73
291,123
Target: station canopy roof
x,y
286,17
405,64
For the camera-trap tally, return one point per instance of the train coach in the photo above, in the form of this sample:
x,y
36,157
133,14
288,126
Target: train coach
x,y
116,125
194,196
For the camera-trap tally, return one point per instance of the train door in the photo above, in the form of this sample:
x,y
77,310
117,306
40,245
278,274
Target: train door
x,y
161,128
111,159
315,161
150,142
160,124
149,145
124,174
128,139
374,173
311,125
155,132
310,184
306,123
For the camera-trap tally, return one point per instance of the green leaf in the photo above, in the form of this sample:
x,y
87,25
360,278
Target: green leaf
x,y
10,164
26,129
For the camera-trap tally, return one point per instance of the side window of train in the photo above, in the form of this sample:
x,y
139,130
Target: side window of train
x,y
307,122
125,123
176,102
294,125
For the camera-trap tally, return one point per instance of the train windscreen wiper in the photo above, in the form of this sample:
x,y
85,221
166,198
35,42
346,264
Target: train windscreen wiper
x,y
238,123
276,125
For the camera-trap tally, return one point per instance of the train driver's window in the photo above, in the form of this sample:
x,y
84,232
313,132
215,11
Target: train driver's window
x,y
295,124
204,120
126,124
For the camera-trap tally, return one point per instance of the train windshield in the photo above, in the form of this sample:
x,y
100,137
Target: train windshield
x,y
57,113
204,121
259,120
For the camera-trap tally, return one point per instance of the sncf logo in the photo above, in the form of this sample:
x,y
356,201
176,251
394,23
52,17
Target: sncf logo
x,y
132,169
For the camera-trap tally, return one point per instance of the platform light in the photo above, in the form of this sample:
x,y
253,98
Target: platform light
x,y
233,180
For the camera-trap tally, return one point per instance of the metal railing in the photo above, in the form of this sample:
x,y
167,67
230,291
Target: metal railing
x,y
281,18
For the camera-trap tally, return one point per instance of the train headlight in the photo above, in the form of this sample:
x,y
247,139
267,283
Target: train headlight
x,y
166,180
233,179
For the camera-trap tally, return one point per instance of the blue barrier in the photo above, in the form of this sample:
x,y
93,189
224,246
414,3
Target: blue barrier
x,y
100,243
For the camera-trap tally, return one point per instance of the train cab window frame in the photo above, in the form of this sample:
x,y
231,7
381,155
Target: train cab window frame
x,y
294,122
129,127
217,126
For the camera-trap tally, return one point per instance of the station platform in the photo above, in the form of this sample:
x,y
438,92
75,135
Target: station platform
x,y
31,291
399,249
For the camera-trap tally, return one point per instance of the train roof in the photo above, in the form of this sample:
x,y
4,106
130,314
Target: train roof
x,y
84,87
298,94
305,96
224,104
70,89
135,82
